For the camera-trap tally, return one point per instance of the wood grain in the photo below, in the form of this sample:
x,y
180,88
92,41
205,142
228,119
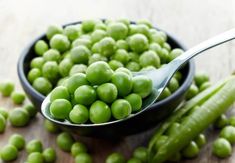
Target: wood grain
x,y
191,21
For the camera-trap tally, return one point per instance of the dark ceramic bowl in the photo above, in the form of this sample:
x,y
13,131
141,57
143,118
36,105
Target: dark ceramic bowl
x,y
146,120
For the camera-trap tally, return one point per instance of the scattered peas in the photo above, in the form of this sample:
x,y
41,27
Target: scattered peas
x,y
77,148
228,133
2,123
221,148
35,157
4,112
7,88
17,140
34,146
115,158
30,108
17,97
83,158
19,117
191,150
65,141
49,155
9,153
51,127
60,108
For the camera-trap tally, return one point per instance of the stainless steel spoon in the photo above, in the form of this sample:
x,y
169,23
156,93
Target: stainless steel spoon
x,y
160,77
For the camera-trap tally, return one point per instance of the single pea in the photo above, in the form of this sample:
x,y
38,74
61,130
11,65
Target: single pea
x,y
142,85
157,37
51,127
122,44
138,43
167,46
96,57
141,153
117,30
145,22
76,81
190,150
125,70
60,108
121,109
232,121
50,70
228,133
149,58
115,158
123,82
65,67
42,85
52,55
34,146
52,30
79,114
18,97
200,140
49,155
178,76
114,64
200,78
88,25
133,160
9,153
78,68
156,48
165,93
62,81
136,102
204,86
34,74
2,123
65,141
72,32
80,54
19,117
134,56
59,92
161,140
99,112
78,148
100,26
4,112
99,73
82,42
175,53
173,129
173,84
107,92
37,62
7,88
83,158
85,95
164,56
192,91
97,35
143,29
221,122
107,46
222,148
133,66
122,56
40,47
124,21
132,29
35,157
17,140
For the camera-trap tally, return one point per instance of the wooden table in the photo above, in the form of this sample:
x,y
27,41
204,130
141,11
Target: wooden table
x,y
191,21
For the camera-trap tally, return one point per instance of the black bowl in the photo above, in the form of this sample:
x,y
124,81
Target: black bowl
x,y
148,119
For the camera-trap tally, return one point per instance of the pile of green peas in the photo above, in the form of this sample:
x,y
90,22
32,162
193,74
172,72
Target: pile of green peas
x,y
70,50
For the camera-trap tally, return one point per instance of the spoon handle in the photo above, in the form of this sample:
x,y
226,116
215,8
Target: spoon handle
x,y
210,43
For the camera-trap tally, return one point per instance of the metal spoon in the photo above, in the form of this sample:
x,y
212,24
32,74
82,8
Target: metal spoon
x,y
160,77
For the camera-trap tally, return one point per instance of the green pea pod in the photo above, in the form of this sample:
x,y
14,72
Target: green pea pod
x,y
211,107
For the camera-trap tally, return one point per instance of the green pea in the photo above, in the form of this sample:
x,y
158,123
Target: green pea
x,y
114,64
132,29
78,148
59,92
173,85
175,53
142,85
85,95
136,102
157,37
88,25
34,146
190,150
99,112
99,73
60,108
100,26
50,70
204,86
221,122
19,117
51,127
121,109
9,153
17,140
165,93
173,129
145,22
35,157
40,47
2,123
42,85
78,68
52,55
72,32
97,35
133,66
107,92
143,29
76,81
34,74
122,44
124,21
192,91
228,133
134,56
49,155
117,30
80,54
83,158
138,43
18,97
167,46
7,88
200,140
178,76
161,140
115,158
82,42
149,58
133,160
96,57
65,67
232,121
52,30
107,46
125,70
122,56
123,82
155,47
37,62
200,78
141,153
222,148
4,112
79,114
65,141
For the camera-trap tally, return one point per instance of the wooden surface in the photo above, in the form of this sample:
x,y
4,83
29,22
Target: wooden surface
x,y
191,21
